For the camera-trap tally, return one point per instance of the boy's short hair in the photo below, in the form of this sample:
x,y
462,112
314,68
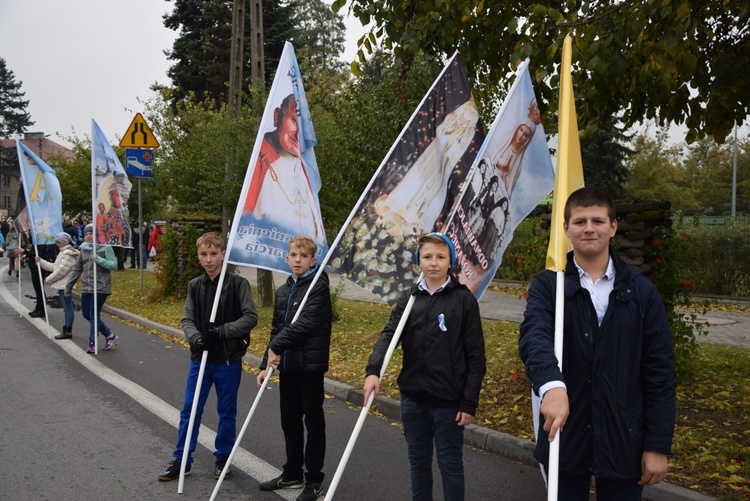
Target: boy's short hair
x,y
588,196
307,244
210,239
440,239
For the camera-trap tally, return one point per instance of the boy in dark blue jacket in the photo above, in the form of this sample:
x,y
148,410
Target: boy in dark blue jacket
x,y
615,396
299,349
443,368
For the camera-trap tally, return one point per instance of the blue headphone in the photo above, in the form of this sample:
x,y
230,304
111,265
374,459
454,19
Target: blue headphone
x,y
448,241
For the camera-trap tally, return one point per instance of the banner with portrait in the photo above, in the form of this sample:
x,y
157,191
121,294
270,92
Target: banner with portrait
x,y
413,190
110,193
511,174
42,201
279,198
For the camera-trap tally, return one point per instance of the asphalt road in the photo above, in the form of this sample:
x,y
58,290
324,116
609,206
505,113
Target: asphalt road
x,y
85,427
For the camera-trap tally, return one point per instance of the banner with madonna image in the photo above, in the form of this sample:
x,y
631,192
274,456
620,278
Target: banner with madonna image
x,y
511,175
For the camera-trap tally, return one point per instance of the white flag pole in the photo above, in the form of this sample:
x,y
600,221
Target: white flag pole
x,y
365,409
94,318
553,467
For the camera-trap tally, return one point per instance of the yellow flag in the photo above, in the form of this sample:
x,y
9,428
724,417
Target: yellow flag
x,y
569,172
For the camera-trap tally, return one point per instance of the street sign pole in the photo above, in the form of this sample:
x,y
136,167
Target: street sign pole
x,y
140,229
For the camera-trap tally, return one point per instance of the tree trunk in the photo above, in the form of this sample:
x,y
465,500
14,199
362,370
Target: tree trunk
x,y
266,289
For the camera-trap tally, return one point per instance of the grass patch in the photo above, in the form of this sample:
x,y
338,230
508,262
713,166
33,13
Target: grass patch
x,y
711,452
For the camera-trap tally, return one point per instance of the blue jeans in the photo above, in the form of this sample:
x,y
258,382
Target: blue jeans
x,y
226,379
87,308
67,304
422,426
144,256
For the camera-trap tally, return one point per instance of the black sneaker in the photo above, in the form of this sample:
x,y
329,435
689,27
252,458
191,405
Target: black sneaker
x,y
37,314
219,467
311,492
173,471
281,483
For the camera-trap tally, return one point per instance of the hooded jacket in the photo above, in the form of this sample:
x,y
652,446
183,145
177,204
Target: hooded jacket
x,y
618,375
305,344
84,268
61,268
443,347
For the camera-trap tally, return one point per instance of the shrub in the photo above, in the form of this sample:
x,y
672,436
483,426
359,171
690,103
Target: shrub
x,y
526,254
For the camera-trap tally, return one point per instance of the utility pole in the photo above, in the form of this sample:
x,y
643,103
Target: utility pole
x,y
734,175
234,106
265,284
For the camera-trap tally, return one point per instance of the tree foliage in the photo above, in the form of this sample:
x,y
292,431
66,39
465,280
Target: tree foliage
x,y
656,172
201,52
604,154
681,61
14,118
196,140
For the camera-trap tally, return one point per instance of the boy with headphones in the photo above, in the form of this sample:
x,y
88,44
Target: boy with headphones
x,y
443,368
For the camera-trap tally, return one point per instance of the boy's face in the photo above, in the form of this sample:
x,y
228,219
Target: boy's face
x,y
299,260
434,260
211,258
589,230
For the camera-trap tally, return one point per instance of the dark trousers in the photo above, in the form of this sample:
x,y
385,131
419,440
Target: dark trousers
x,y
423,427
135,256
576,488
301,398
38,289
226,379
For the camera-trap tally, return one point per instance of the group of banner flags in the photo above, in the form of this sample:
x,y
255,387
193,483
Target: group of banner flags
x,y
441,174
39,208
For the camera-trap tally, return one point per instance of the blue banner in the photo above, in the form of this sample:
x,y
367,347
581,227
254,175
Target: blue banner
x,y
43,196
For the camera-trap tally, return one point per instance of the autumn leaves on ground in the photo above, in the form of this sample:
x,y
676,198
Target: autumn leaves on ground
x,y
711,451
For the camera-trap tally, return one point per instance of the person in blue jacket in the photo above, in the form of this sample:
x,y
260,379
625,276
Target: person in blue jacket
x,y
614,401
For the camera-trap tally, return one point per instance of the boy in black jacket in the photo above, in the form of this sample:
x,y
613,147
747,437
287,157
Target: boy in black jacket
x,y
299,350
226,339
443,368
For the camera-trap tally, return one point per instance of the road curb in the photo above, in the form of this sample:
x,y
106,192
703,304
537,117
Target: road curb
x,y
503,444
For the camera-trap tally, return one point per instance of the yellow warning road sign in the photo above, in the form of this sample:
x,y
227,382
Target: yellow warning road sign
x,y
139,135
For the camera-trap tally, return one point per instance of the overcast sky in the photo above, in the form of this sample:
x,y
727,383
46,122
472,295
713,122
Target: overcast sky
x,y
84,59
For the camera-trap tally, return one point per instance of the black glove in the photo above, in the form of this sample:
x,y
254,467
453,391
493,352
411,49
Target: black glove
x,y
213,332
200,344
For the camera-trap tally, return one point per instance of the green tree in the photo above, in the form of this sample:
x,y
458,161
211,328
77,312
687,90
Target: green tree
x,y
201,52
656,172
14,118
683,62
190,164
708,169
603,154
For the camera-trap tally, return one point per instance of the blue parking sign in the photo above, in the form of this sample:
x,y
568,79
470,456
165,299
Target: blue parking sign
x,y
139,162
